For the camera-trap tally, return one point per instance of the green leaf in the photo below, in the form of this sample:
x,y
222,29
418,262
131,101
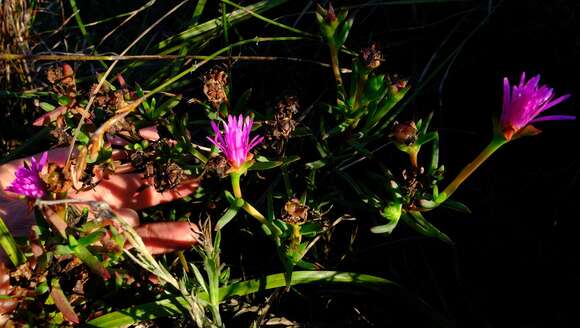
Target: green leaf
x,y
260,166
165,107
177,306
92,237
198,11
62,302
375,90
416,221
385,228
105,153
199,277
229,196
456,206
434,163
344,30
42,288
307,265
83,138
311,229
228,215
88,258
208,30
425,138
64,100
63,250
423,127
263,164
46,106
316,164
392,211
294,255
9,245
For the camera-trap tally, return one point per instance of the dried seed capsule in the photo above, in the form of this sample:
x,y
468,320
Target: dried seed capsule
x,y
214,86
372,56
295,212
404,133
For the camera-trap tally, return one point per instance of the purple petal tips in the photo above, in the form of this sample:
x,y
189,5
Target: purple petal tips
x,y
28,182
522,104
235,142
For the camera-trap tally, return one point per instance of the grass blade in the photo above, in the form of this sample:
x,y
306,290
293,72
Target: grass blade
x,y
175,306
213,26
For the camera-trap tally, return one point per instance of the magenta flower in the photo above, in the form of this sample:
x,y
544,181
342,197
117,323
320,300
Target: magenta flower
x,y
28,182
524,102
235,141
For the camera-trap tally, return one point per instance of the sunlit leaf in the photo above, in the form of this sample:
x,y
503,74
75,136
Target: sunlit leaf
x,y
9,245
62,302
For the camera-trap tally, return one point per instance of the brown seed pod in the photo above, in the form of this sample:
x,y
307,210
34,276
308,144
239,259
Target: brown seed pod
x,y
214,86
404,133
283,124
56,179
371,56
166,176
218,166
295,212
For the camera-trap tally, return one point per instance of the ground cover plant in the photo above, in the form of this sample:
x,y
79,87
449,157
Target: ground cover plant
x,y
281,163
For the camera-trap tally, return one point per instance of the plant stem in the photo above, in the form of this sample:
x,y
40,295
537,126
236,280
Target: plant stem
x,y
360,85
213,274
494,145
413,158
336,70
255,214
235,177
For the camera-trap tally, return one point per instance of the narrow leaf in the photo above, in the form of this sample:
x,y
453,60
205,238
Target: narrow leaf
x,y
228,216
9,245
88,258
62,302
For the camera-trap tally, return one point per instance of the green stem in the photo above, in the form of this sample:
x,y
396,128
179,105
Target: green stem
x,y
270,229
214,291
494,145
78,19
360,85
235,177
255,213
225,24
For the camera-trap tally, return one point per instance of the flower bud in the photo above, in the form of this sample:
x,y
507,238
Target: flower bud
x,y
330,16
404,133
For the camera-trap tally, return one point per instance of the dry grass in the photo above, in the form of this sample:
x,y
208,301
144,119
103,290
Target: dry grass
x,y
15,20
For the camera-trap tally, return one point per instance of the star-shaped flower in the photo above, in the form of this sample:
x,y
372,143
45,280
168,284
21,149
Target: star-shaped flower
x,y
523,103
235,142
28,182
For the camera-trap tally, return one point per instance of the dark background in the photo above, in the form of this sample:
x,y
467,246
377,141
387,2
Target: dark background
x,y
515,262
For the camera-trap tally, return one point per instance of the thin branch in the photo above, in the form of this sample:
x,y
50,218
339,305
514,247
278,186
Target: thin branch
x,y
82,57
